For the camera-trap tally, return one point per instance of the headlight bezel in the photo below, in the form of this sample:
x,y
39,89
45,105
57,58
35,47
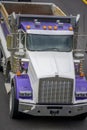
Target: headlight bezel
x,y
25,94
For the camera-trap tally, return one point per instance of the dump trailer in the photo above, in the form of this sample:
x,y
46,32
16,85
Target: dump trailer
x,y
44,70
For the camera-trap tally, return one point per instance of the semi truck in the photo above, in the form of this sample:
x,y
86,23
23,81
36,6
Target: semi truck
x,y
44,71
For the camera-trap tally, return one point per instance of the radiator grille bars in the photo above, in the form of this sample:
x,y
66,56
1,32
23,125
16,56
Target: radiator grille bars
x,y
55,90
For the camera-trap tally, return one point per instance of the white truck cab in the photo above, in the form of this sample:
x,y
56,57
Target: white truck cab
x,y
46,75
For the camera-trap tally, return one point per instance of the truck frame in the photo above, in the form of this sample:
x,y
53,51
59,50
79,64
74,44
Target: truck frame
x,y
44,70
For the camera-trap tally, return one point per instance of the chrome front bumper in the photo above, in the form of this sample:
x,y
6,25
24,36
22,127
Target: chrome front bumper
x,y
52,110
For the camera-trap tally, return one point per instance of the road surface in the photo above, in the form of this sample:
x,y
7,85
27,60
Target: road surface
x,y
44,123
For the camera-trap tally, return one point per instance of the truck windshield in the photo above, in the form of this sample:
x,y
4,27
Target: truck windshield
x,y
60,43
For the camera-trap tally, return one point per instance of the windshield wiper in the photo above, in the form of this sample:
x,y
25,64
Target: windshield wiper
x,y
50,49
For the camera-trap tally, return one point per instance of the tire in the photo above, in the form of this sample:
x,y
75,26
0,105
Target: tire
x,y
13,104
1,55
1,68
8,69
24,0
81,117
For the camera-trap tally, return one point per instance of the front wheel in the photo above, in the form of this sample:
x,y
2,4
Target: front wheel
x,y
13,104
81,117
1,56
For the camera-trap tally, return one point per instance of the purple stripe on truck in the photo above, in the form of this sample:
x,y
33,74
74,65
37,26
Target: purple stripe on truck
x,y
81,88
22,83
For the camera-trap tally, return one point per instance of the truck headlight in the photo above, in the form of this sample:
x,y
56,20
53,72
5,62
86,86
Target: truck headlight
x,y
25,94
81,95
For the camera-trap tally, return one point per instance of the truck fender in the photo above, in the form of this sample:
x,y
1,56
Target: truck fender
x,y
22,84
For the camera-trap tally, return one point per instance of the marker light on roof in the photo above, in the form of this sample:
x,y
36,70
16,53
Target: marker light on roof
x,y
44,27
28,27
50,27
55,27
70,28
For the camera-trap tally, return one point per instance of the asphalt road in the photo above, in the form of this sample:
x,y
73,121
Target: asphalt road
x,y
44,123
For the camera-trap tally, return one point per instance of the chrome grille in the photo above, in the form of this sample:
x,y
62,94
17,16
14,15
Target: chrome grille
x,y
55,90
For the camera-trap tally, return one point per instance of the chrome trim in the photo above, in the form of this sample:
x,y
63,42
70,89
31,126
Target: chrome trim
x,y
55,90
53,110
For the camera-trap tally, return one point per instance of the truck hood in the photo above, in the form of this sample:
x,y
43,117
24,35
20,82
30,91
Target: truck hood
x,y
50,64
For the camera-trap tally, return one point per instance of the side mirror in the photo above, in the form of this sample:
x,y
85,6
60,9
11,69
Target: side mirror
x,y
9,40
86,48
